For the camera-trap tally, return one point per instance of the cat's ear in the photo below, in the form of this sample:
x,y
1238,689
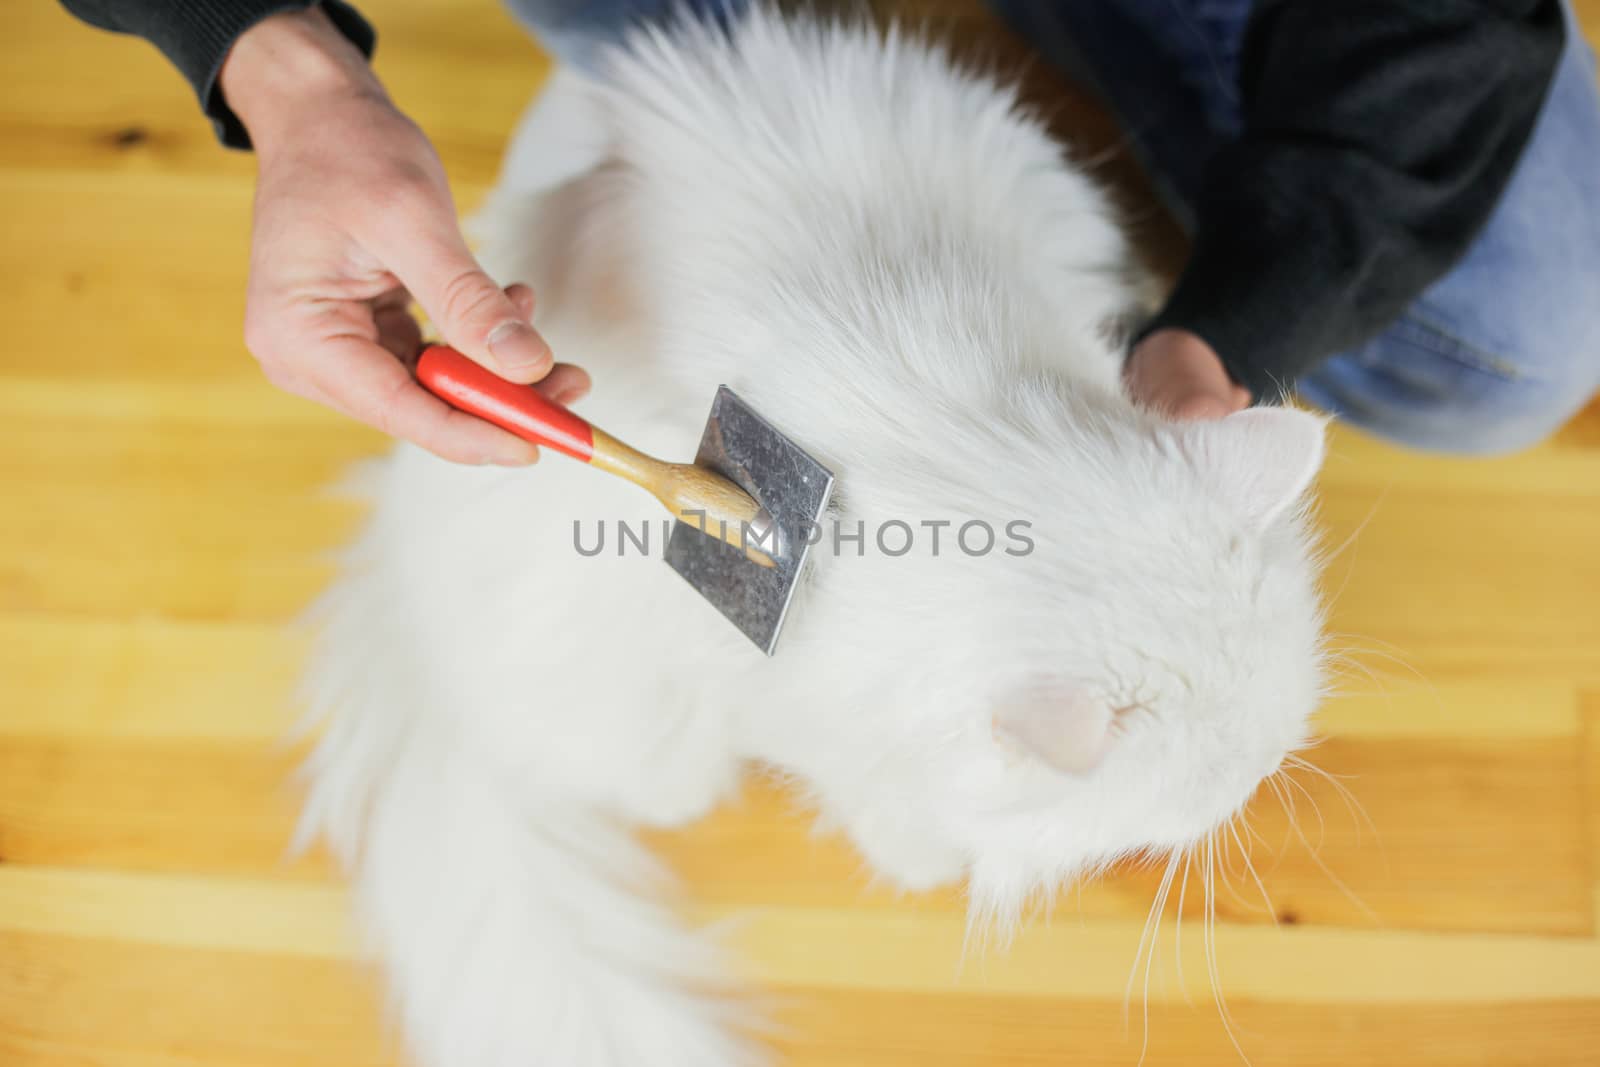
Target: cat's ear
x,y
1062,724
1259,460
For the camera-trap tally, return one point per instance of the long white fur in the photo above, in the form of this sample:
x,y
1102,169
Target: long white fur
x,y
895,265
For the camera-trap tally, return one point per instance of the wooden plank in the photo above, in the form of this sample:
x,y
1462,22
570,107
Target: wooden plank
x,y
171,675
97,681
1464,834
237,915
243,436
79,1001
827,1028
153,549
79,581
1390,702
849,949
1440,845
178,501
136,552
119,275
68,1001
154,806
112,745
1460,585
57,116
908,952
123,402
79,97
1449,851
1566,466
1591,788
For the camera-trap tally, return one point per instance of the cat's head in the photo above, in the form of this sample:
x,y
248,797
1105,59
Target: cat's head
x,y
1140,647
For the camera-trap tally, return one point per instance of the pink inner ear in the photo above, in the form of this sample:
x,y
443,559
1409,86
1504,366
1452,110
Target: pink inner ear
x,y
1064,725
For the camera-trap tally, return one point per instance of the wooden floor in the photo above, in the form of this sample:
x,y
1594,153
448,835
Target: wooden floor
x,y
161,518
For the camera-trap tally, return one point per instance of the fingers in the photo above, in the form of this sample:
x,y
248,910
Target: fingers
x,y
1176,374
398,332
343,355
521,298
362,379
565,384
1187,401
1197,407
476,316
358,358
329,283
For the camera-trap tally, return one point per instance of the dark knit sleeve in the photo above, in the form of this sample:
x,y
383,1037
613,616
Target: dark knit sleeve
x,y
1378,137
197,34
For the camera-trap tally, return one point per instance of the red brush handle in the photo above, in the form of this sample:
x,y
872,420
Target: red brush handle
x,y
521,409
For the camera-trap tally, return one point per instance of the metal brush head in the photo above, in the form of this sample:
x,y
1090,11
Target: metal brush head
x,y
789,485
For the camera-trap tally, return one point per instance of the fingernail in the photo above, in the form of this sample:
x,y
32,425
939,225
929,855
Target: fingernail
x,y
571,396
517,348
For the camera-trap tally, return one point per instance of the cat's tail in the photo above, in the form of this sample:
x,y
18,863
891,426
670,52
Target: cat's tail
x,y
517,929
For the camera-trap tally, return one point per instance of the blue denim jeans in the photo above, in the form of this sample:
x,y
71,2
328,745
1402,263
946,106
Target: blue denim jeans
x,y
1493,357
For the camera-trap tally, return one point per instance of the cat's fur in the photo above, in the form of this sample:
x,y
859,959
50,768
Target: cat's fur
x,y
903,273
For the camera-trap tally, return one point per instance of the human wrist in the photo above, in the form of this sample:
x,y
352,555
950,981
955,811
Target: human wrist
x,y
287,63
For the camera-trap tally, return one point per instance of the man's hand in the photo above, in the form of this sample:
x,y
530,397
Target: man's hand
x,y
353,218
1177,374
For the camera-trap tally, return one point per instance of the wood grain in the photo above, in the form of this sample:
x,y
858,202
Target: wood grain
x,y
165,518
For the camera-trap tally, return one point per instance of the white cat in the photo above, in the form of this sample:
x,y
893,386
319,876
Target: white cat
x,y
900,270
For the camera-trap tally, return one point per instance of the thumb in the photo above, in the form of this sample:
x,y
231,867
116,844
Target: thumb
x,y
474,314
1200,407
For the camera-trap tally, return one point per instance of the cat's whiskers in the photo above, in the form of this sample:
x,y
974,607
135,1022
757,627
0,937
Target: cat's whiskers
x,y
1341,665
1338,661
1323,559
1285,801
1345,654
1386,644
1227,872
1358,810
1316,809
1253,835
1211,949
1316,858
1250,828
1205,852
1152,931
1152,919
1177,923
1250,867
